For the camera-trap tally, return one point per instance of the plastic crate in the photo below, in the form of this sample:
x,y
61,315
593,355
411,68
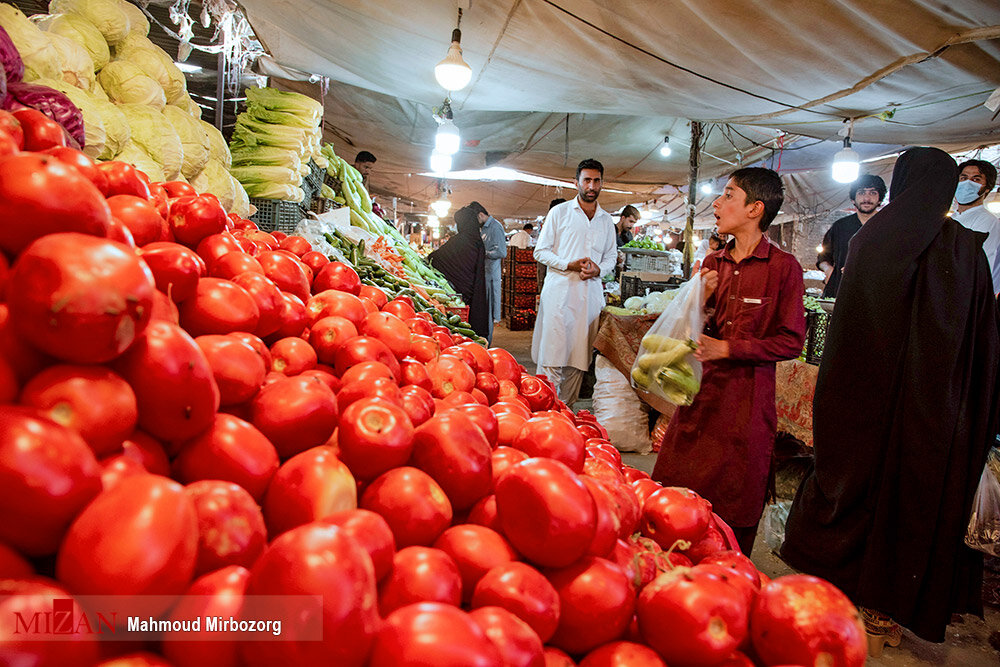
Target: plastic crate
x,y
521,319
525,271
321,205
461,311
520,299
313,181
277,215
653,263
520,255
523,285
816,324
636,286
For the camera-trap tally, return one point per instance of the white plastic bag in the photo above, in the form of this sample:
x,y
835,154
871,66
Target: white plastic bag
x,y
619,410
665,365
775,516
983,533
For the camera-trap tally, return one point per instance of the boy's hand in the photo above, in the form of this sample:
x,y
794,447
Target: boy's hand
x,y
710,349
711,282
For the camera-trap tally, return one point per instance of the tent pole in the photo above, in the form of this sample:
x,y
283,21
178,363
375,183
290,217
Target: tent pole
x,y
694,161
220,90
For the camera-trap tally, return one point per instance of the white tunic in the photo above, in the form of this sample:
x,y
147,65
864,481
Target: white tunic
x,y
570,307
978,219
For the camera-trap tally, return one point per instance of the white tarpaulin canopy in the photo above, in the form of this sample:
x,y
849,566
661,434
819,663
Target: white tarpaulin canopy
x,y
555,81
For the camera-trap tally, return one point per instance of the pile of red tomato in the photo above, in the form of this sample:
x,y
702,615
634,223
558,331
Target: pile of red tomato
x,y
194,413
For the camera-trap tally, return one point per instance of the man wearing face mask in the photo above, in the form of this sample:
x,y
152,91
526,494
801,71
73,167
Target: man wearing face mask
x,y
976,179
867,193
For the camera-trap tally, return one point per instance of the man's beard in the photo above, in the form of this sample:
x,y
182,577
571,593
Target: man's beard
x,y
589,196
867,208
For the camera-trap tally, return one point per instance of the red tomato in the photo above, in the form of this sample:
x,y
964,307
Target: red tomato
x,y
372,532
233,451
556,658
431,634
139,216
596,604
124,179
514,407
296,245
82,163
237,367
737,564
517,643
420,574
450,374
546,512
418,403
292,316
217,594
644,487
503,458
192,218
47,475
484,513
483,360
332,302
443,340
547,435
40,131
505,366
608,526
420,326
89,400
292,356
390,330
412,504
120,233
509,424
230,525
309,486
219,307
343,576
366,370
476,550
8,146
711,543
148,452
337,276
37,596
622,654
176,269
295,414
373,294
80,298
10,126
215,246
176,189
675,513
463,355
800,619
424,348
403,309
164,309
315,260
13,565
268,298
453,450
524,592
118,467
374,436
364,348
138,539
415,373
286,272
233,264
172,381
540,396
261,238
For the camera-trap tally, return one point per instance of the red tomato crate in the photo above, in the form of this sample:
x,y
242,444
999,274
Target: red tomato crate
x,y
461,311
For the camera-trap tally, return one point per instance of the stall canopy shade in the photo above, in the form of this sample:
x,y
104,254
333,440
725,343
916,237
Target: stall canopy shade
x,y
628,73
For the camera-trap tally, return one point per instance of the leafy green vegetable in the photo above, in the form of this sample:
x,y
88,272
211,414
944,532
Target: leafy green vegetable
x,y
287,102
107,15
40,56
155,135
194,141
81,31
126,83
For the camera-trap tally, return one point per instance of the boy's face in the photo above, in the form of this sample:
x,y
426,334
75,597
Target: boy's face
x,y
732,211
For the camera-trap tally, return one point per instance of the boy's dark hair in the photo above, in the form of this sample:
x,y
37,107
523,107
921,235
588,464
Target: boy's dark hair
x,y
986,169
478,208
868,181
555,202
365,156
589,163
763,185
630,211
528,227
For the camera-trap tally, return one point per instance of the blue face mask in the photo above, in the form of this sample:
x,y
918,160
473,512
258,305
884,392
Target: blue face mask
x,y
967,192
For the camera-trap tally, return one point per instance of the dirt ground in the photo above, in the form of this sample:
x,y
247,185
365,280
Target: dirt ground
x,y
970,641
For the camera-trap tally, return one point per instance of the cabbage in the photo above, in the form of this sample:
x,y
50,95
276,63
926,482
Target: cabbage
x,y
217,147
115,127
215,179
134,155
125,83
81,31
93,119
189,106
633,303
154,134
193,139
10,59
265,115
241,201
134,40
266,155
106,15
77,65
250,133
293,103
50,102
157,65
39,55
137,21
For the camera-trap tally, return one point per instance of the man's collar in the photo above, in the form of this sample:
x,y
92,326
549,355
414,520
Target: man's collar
x,y
576,203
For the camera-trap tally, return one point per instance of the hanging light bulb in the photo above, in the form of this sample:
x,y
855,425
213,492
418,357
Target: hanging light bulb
x,y
706,188
846,163
453,73
447,139
433,221
441,207
440,163
646,214
665,149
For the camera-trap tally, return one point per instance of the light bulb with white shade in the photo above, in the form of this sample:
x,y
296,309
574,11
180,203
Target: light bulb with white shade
x,y
665,149
706,188
441,207
646,214
447,139
453,73
846,164
440,162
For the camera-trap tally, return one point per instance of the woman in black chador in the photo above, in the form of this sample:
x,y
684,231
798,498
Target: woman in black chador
x,y
462,260
904,413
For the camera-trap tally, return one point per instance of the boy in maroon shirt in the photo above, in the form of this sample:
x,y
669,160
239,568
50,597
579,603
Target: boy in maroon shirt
x,y
721,445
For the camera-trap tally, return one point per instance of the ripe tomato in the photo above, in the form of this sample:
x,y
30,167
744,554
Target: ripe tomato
x,y
139,216
332,302
366,371
214,246
342,576
230,525
523,591
737,564
288,273
505,366
539,394
29,597
234,263
547,435
231,450
173,382
415,373
138,539
596,604
412,503
390,330
375,436
372,532
401,308
431,634
261,238
292,356
337,276
622,654
484,418
420,574
268,298
503,458
418,403
509,424
40,131
296,245
517,643
675,513
315,260
80,298
176,269
176,189
556,658
453,450
13,565
147,451
608,526
219,307
546,512
424,348
192,218
217,594
295,414
293,320
47,475
481,356
644,487
237,367
364,348
476,550
373,294
82,163
450,374
124,179
10,126
800,619
89,400
309,486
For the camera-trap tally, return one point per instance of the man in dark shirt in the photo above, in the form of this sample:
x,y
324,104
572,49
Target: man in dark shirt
x,y
867,194
627,219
